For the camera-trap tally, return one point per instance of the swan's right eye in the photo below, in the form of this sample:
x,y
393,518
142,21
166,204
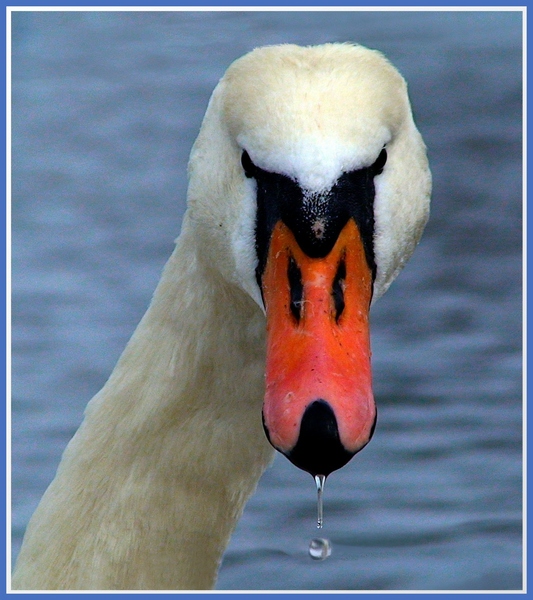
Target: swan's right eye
x,y
249,168
377,167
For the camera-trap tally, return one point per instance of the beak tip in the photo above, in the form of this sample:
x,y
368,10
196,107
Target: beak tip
x,y
319,449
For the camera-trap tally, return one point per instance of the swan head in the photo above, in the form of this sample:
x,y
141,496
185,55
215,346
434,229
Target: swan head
x,y
309,188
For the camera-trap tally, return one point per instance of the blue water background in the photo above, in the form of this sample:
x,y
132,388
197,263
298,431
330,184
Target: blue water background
x,y
106,106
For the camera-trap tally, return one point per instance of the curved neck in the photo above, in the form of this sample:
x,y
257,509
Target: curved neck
x,y
154,481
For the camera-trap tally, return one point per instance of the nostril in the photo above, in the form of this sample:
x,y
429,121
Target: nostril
x,y
294,275
337,291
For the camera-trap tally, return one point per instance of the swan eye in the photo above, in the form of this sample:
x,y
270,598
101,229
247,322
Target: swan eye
x,y
249,168
377,167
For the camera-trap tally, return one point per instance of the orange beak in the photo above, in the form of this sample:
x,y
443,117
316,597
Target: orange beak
x,y
319,408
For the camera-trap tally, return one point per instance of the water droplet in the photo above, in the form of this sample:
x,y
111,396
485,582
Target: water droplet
x,y
320,480
319,549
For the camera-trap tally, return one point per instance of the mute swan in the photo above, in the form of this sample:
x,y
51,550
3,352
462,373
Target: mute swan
x,y
309,189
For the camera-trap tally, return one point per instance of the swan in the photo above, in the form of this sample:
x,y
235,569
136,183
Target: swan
x,y
309,189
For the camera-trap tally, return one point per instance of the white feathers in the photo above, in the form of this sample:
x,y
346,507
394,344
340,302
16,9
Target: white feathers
x,y
312,114
243,246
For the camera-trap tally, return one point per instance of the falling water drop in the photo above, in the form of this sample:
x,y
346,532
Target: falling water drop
x,y
320,480
319,549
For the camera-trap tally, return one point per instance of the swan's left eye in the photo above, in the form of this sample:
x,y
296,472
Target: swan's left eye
x,y
249,168
377,167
